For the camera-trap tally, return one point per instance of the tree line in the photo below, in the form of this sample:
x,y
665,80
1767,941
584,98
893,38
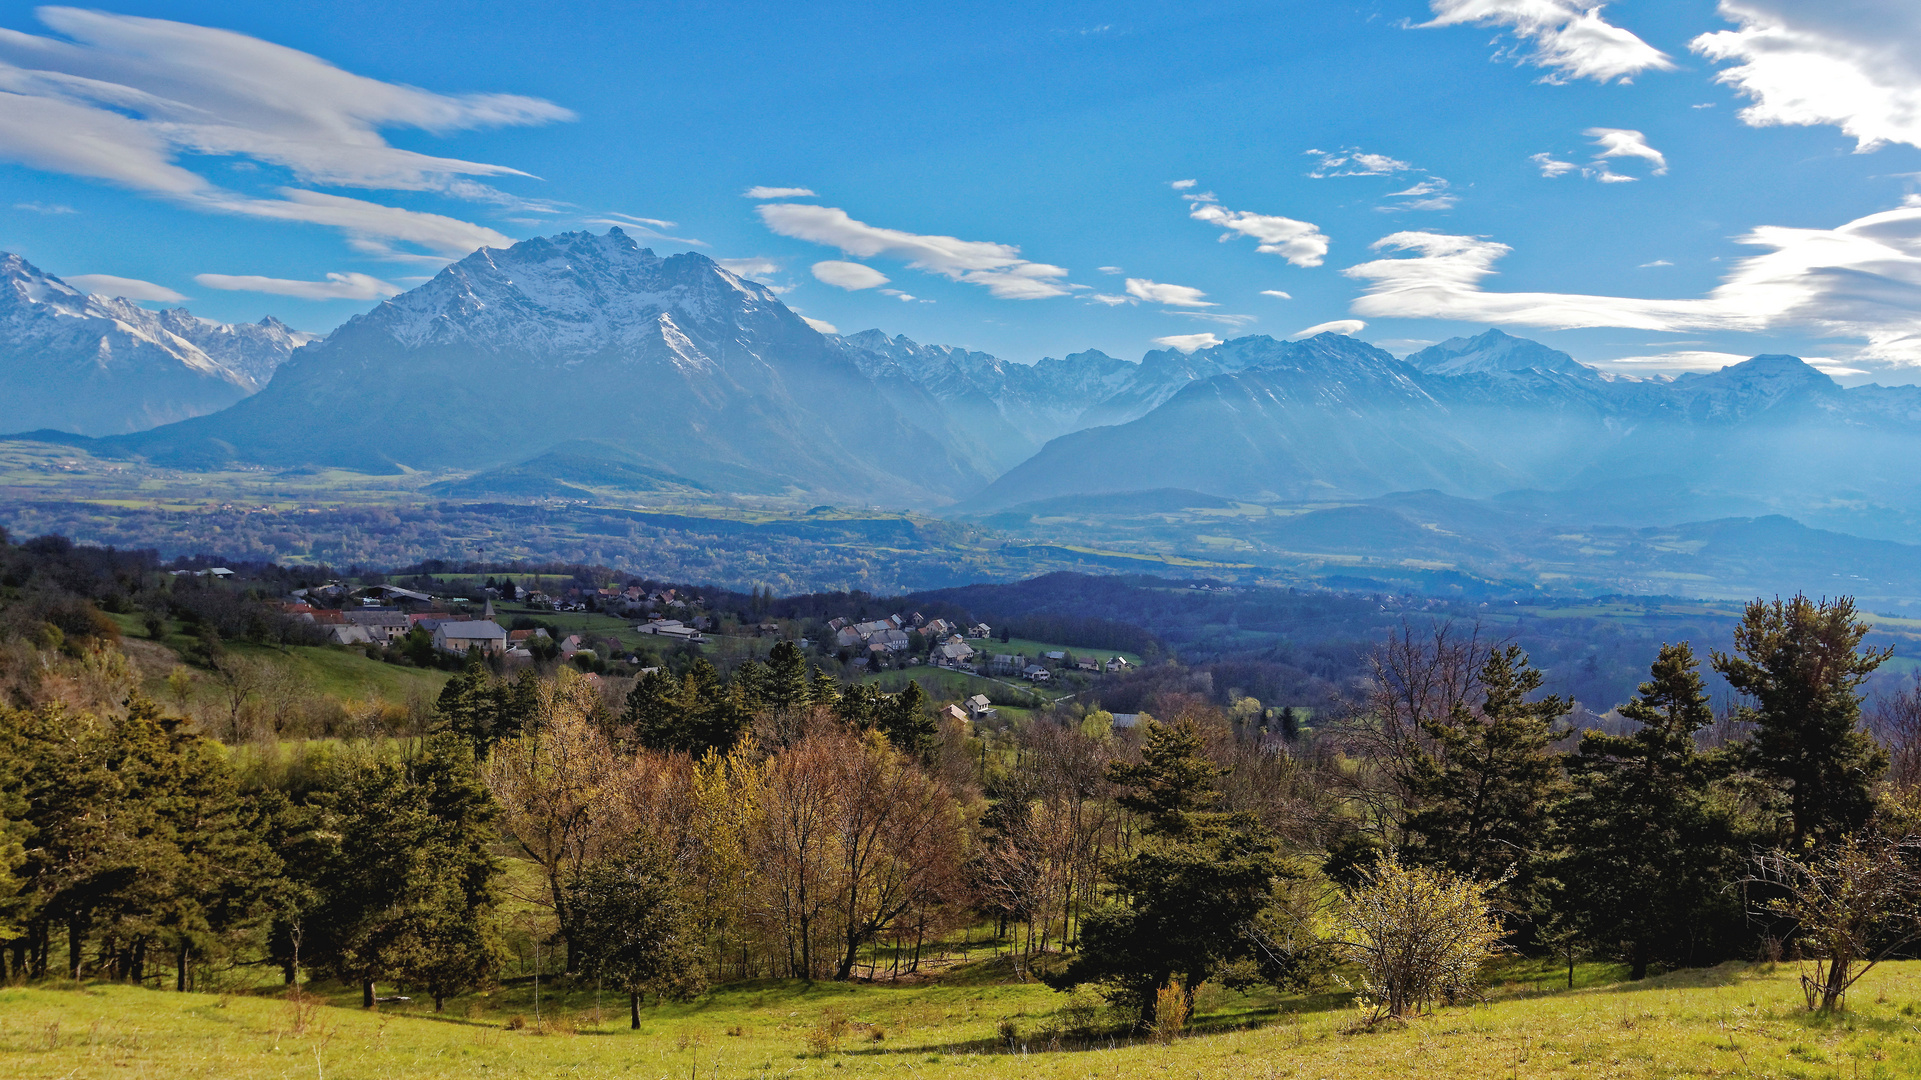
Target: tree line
x,y
700,826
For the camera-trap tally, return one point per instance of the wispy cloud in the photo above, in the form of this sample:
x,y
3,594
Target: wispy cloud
x,y
851,276
126,100
1429,194
1182,185
1854,65
777,193
1155,292
1568,37
335,287
1859,280
821,325
1353,162
645,228
1613,143
131,288
1552,168
1187,343
1110,269
45,208
1277,294
998,268
1215,317
1657,262
1299,242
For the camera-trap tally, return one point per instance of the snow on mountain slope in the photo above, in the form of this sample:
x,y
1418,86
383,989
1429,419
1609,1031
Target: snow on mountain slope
x,y
95,365
579,336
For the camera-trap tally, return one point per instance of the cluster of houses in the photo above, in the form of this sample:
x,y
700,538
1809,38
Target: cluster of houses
x,y
391,613
877,640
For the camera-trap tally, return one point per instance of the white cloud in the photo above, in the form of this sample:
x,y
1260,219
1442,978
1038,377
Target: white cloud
x,y
1110,299
1855,65
1551,168
1860,280
1277,294
126,99
1299,242
335,287
1187,343
1570,37
1626,143
821,325
997,267
1337,326
777,193
45,208
1428,194
645,228
1182,185
753,269
371,228
1657,262
1215,317
848,275
131,288
1110,269
1174,295
1354,162
901,296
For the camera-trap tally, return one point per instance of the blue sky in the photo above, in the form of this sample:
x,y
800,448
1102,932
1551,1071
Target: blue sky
x,y
1655,186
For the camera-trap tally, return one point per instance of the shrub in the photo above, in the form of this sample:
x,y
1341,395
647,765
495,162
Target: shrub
x,y
1170,1012
1416,934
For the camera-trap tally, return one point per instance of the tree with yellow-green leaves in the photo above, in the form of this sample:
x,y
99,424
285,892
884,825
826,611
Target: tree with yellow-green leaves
x,y
1417,934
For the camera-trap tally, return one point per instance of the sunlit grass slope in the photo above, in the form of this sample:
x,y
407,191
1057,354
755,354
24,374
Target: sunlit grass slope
x,y
1729,1021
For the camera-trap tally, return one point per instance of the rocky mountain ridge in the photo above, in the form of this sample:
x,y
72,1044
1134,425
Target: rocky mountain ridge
x,y
99,365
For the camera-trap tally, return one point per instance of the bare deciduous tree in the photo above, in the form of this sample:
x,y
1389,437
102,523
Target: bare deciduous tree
x,y
1853,904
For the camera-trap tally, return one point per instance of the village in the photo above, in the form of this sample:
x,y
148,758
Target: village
x,y
509,626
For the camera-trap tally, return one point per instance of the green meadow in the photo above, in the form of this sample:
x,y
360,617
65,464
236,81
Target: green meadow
x,y
1733,1021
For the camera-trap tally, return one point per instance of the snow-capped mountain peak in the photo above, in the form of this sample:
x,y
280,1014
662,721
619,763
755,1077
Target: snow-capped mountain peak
x,y
95,364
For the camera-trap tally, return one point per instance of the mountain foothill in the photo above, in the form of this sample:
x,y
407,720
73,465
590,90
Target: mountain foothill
x,y
580,362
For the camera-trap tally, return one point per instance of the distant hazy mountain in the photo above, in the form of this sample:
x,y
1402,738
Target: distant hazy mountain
x,y
94,365
1012,409
692,372
1335,418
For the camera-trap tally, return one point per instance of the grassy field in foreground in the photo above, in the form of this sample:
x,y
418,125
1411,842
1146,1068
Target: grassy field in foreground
x,y
1727,1021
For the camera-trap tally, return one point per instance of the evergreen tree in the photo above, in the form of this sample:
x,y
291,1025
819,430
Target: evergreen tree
x,y
405,888
1188,901
1800,662
481,708
695,713
1646,856
1485,792
786,687
907,721
634,929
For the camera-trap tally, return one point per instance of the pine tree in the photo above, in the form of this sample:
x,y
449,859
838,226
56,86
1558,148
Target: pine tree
x,y
786,687
908,723
1186,902
1486,790
1646,856
406,886
1801,664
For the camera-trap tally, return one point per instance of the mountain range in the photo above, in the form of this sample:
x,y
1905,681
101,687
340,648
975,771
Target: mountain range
x,y
583,363
98,365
